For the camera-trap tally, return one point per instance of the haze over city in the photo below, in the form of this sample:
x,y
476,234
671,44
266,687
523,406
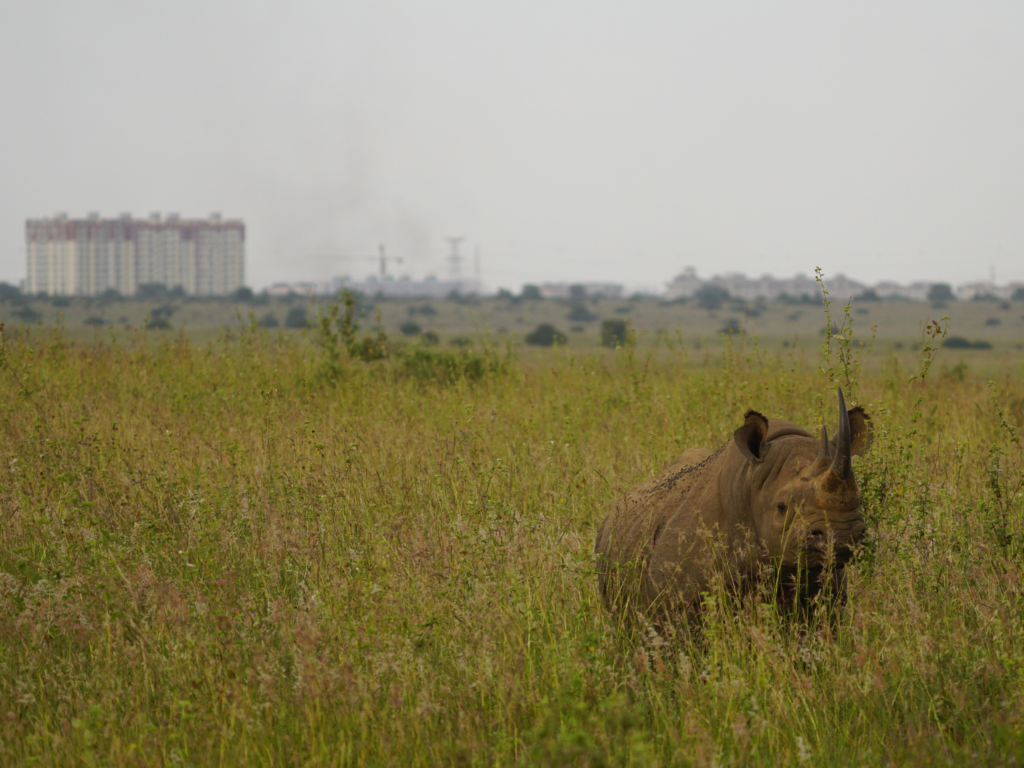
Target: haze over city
x,y
574,141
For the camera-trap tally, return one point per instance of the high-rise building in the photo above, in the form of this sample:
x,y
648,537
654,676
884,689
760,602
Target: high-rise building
x,y
85,257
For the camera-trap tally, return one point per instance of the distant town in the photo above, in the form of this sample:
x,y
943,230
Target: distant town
x,y
93,256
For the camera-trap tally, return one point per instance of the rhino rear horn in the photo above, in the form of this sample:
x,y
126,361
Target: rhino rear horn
x,y
824,460
842,462
751,438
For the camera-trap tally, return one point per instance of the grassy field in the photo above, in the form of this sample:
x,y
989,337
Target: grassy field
x,y
262,550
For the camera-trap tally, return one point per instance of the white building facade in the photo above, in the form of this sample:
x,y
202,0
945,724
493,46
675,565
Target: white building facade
x,y
86,257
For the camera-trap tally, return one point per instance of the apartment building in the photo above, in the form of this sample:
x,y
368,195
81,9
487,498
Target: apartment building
x,y
86,257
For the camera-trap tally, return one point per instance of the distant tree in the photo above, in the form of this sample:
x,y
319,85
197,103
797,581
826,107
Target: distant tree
x,y
460,341
150,291
242,295
297,317
580,314
110,295
158,324
869,295
269,320
505,293
409,328
993,321
60,301
1018,295
545,335
711,297
959,342
9,292
530,292
615,332
940,293
984,297
577,292
430,339
177,292
94,320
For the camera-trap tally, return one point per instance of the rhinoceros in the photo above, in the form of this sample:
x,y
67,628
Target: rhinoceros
x,y
772,500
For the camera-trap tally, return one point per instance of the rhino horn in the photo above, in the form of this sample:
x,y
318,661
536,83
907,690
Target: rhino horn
x,y
842,462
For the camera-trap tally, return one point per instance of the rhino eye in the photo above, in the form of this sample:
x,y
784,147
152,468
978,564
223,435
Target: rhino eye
x,y
781,506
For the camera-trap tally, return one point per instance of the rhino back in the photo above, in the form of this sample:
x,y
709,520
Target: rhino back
x,y
629,533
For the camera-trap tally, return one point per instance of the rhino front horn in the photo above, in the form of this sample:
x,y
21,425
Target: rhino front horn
x,y
842,462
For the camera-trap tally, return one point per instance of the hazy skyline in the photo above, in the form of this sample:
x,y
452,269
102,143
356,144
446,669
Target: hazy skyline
x,y
572,141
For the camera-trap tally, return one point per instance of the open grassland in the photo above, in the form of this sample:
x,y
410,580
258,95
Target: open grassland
x,y
895,325
261,551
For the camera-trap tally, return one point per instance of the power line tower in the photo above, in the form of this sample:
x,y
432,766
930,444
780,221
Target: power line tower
x,y
455,259
384,259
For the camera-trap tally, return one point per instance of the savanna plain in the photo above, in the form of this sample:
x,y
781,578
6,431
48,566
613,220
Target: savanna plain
x,y
323,547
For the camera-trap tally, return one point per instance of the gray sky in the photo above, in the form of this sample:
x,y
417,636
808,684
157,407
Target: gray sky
x,y
589,140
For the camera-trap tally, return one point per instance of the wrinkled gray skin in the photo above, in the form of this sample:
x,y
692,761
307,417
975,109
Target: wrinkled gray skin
x,y
773,495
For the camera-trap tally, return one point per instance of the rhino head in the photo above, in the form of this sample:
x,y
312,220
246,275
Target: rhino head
x,y
804,503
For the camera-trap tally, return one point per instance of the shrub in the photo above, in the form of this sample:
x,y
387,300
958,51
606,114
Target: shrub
x,y
94,320
580,314
732,326
531,292
297,317
545,335
243,294
940,293
149,291
615,332
993,321
60,301
430,339
711,297
409,328
1018,295
27,315
158,324
460,341
959,342
869,295
269,320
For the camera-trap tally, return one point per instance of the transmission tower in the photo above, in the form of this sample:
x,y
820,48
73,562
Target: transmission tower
x,y
455,259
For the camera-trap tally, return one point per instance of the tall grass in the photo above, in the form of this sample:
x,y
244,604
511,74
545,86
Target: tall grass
x,y
267,552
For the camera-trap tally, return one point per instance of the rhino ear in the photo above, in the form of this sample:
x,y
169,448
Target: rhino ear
x,y
751,437
862,432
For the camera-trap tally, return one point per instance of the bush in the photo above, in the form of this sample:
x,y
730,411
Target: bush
x,y
409,328
711,297
149,291
27,315
60,301
531,292
615,332
940,293
297,317
993,321
869,295
959,342
460,341
269,320
430,339
94,320
1018,295
732,326
580,314
445,366
242,294
545,335
158,324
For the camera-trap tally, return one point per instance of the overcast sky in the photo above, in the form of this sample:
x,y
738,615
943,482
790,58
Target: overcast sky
x,y
568,141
